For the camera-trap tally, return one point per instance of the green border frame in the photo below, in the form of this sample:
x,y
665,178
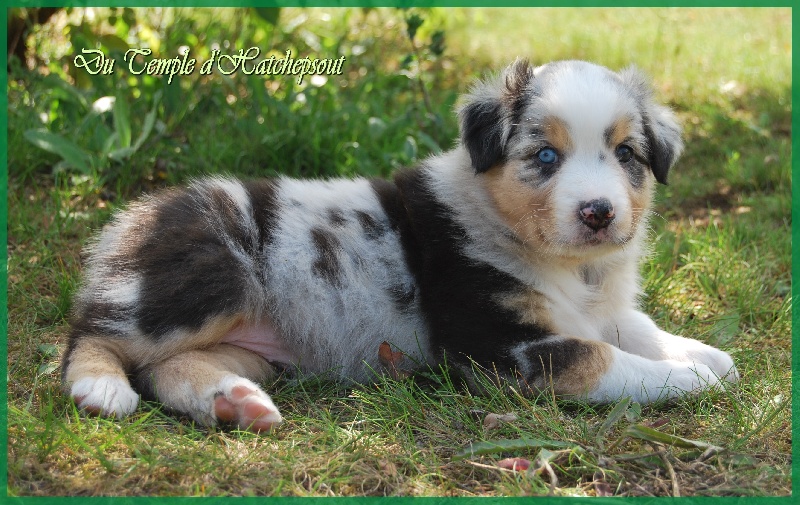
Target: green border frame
x,y
403,3
385,3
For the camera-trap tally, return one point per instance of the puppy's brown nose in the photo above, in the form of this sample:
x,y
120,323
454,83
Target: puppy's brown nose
x,y
596,214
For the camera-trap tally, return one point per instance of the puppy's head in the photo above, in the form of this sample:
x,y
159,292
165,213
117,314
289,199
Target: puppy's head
x,y
569,152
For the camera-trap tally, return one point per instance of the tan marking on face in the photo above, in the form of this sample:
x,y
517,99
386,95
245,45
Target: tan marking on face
x,y
527,211
531,308
619,132
585,375
557,133
641,199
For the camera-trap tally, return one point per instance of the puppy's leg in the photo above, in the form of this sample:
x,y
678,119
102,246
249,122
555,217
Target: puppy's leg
x,y
215,384
636,333
599,372
94,374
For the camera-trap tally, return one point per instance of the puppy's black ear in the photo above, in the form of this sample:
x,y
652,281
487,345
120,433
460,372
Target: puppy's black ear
x,y
664,139
660,126
487,114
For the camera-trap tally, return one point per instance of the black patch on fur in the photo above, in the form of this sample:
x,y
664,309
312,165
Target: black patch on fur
x,y
372,228
403,296
327,263
188,271
144,384
336,217
391,200
660,154
635,172
517,82
93,317
487,123
482,133
262,195
554,357
456,294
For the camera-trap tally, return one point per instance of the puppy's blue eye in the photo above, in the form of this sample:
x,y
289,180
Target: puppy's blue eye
x,y
623,153
548,156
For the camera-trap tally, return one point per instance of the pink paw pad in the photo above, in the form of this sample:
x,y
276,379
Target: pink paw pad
x,y
249,408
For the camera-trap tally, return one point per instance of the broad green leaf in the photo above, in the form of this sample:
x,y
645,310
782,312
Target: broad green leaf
x,y
376,126
410,148
502,445
147,127
428,141
149,122
76,157
726,328
615,415
268,14
113,42
645,433
47,350
110,143
53,81
122,120
47,368
413,22
634,412
123,153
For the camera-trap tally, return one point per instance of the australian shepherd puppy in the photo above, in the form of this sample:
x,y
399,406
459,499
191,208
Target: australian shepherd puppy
x,y
517,251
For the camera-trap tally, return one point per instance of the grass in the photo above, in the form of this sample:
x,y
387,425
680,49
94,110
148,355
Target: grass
x,y
719,270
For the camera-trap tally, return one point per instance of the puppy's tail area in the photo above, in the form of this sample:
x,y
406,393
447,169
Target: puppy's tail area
x,y
94,374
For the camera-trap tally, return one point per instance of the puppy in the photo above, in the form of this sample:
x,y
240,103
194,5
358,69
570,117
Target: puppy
x,y
517,251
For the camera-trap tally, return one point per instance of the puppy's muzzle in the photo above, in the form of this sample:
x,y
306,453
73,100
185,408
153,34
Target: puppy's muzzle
x,y
596,214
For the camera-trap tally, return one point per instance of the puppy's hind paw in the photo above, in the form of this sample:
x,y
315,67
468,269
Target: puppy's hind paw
x,y
105,396
243,403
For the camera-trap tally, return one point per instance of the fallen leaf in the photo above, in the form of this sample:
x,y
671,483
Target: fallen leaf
x,y
658,423
492,421
47,350
388,468
601,487
391,361
515,464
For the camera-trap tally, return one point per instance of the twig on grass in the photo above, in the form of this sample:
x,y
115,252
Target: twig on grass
x,y
676,492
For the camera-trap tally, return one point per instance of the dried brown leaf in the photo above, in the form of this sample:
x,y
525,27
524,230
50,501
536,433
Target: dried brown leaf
x,y
493,421
515,464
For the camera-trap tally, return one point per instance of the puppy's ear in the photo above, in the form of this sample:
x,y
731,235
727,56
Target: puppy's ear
x,y
488,111
660,125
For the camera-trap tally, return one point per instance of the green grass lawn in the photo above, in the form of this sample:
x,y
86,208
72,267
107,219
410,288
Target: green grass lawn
x,y
719,270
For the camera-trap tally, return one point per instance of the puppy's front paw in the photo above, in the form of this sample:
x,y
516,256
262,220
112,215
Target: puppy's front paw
x,y
688,377
720,362
242,402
